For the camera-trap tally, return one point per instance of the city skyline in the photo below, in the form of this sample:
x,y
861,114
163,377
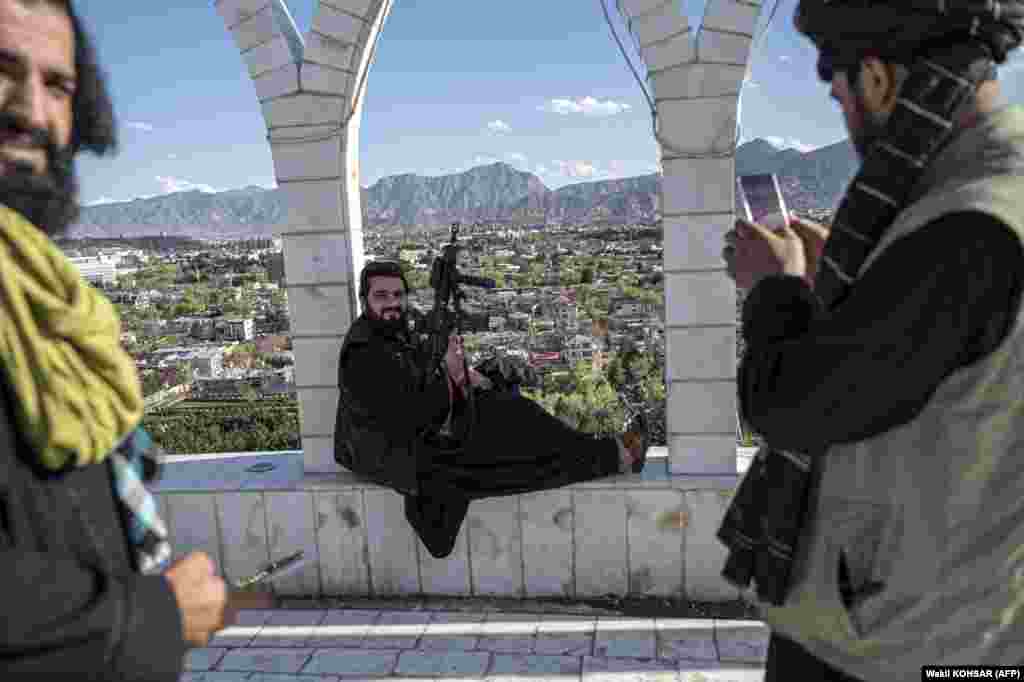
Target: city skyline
x,y
542,87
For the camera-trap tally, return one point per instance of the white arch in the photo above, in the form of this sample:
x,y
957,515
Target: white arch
x,y
310,92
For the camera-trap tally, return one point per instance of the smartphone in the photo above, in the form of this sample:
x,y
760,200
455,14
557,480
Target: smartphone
x,y
273,570
761,200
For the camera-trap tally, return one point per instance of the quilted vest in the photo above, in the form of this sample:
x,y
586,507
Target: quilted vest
x,y
932,510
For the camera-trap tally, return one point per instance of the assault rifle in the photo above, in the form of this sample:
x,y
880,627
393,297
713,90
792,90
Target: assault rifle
x,y
445,318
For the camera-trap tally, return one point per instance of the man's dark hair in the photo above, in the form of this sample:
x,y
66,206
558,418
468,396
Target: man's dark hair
x,y
846,31
380,268
93,124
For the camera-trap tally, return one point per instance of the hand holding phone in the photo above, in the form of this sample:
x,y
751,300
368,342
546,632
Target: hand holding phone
x,y
762,200
760,246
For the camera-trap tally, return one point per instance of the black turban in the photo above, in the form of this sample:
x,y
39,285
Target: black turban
x,y
902,30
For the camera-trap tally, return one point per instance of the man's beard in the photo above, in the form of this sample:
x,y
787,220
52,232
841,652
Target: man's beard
x,y
391,326
48,200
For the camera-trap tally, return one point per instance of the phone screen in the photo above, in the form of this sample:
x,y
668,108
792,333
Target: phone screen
x,y
762,200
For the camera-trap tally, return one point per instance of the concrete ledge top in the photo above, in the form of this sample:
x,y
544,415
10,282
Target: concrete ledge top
x,y
238,472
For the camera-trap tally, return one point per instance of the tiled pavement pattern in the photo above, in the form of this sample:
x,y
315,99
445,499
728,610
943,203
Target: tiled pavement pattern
x,y
331,645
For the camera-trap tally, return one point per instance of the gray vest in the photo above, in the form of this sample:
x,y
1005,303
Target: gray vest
x,y
933,509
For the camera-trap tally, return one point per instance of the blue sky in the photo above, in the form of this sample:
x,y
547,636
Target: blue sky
x,y
539,84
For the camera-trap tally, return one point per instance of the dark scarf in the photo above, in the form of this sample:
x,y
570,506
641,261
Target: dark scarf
x,y
767,513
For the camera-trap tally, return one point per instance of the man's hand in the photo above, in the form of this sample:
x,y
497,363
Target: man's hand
x,y
202,597
814,237
478,379
206,602
454,360
753,252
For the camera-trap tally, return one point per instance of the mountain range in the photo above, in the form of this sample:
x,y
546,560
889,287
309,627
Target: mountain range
x,y
492,193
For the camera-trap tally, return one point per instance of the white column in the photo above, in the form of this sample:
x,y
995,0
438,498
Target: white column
x,y
695,84
314,138
312,111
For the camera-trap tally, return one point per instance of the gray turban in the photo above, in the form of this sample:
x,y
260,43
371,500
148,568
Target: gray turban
x,y
902,30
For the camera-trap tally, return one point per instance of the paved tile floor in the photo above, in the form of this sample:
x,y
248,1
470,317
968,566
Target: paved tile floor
x,y
332,645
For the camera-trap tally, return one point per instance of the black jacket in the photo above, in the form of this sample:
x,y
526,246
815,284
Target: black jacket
x,y
385,405
74,608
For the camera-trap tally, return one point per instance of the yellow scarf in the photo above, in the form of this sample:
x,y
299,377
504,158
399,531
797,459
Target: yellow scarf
x,y
77,391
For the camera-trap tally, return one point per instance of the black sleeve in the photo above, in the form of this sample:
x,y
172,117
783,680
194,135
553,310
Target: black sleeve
x,y
153,644
83,622
378,381
65,620
939,299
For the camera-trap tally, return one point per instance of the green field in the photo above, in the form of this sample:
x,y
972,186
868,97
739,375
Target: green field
x,y
195,427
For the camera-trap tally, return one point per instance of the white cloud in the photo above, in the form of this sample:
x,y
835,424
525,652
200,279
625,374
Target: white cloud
x,y
481,159
171,185
101,200
486,158
577,169
139,125
559,172
111,200
498,126
172,156
573,169
790,143
588,106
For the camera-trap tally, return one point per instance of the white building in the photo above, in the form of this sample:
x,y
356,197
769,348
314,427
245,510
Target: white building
x,y
96,269
579,348
208,362
152,328
236,328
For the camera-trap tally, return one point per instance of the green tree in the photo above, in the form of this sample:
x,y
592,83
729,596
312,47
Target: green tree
x,y
240,308
151,382
230,427
183,373
497,275
184,309
249,392
157,276
417,279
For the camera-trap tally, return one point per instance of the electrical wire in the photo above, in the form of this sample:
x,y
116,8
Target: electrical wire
x,y
339,130
665,145
759,43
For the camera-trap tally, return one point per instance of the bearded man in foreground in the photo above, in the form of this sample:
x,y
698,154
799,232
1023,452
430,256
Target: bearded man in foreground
x,y
85,583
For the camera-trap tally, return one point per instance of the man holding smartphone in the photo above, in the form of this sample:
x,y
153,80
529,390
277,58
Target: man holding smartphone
x,y
884,363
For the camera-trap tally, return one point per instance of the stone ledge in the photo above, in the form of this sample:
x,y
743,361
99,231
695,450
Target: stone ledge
x,y
226,472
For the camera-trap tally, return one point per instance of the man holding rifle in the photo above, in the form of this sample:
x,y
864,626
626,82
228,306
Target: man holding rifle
x,y
83,553
883,523
437,436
